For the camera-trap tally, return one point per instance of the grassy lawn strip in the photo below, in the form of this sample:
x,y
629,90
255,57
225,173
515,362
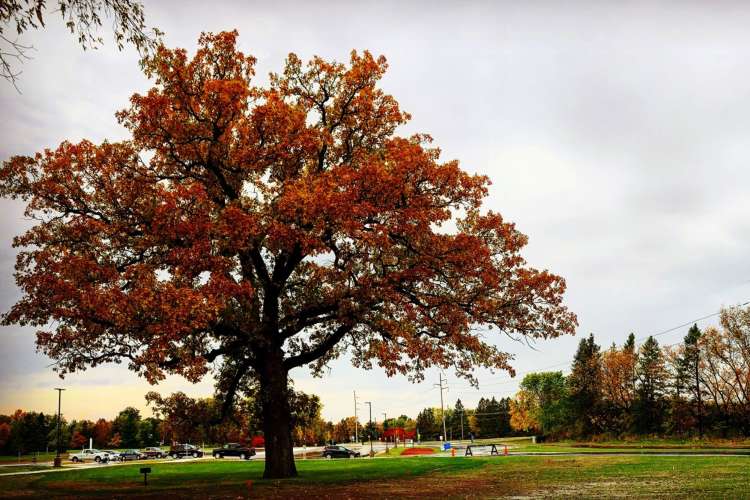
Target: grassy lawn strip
x,y
220,476
584,476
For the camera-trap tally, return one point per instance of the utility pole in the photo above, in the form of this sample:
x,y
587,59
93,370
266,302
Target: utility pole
x,y
384,436
462,424
698,390
442,409
369,431
58,460
356,432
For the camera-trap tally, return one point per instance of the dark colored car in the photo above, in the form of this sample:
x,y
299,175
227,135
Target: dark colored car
x,y
338,452
153,452
185,450
234,450
130,455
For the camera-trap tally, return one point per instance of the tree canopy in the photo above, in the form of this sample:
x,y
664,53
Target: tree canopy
x,y
259,229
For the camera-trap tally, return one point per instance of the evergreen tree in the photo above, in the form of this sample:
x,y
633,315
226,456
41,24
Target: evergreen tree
x,y
481,417
458,424
488,417
652,381
630,343
504,417
687,376
585,386
427,425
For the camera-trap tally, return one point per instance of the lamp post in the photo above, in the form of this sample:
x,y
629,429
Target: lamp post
x,y
369,403
58,460
384,436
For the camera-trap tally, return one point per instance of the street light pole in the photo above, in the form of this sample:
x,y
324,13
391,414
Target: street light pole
x,y
369,431
384,436
58,460
462,424
356,431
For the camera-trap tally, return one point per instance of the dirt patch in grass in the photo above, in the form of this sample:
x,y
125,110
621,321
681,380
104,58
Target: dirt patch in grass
x,y
664,446
429,486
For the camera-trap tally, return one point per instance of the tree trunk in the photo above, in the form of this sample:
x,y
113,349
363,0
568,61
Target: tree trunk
x,y
277,418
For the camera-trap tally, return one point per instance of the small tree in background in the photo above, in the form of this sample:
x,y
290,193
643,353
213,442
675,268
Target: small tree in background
x,y
548,400
127,425
102,433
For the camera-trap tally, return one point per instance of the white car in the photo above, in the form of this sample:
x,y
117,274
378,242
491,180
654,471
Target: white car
x,y
114,456
90,454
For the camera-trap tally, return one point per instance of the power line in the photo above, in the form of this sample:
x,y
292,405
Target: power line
x,y
688,323
568,363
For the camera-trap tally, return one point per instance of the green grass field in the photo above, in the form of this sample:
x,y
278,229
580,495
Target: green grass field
x,y
524,444
572,476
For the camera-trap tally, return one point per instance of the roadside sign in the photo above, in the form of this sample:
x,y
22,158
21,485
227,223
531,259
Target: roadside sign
x,y
145,471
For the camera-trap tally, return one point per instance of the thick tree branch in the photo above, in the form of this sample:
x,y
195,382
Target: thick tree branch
x,y
320,350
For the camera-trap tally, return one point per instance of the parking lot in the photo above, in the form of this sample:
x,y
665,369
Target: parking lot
x,y
300,452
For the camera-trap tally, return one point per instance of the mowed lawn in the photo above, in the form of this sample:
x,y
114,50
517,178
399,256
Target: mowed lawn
x,y
580,476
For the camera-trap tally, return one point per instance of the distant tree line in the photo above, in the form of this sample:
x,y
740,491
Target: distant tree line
x,y
29,432
700,386
178,418
491,418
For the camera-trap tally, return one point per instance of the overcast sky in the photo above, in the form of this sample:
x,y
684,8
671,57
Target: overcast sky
x,y
615,135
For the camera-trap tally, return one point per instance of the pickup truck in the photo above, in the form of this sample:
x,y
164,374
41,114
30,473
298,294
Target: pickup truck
x,y
90,454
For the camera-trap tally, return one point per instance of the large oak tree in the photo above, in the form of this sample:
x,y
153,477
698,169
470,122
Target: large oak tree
x,y
252,230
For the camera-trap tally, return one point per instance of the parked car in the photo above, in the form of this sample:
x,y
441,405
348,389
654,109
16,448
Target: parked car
x,y
153,452
338,452
114,456
90,454
131,455
234,450
185,450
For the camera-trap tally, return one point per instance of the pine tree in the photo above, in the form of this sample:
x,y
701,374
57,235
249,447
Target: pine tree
x,y
458,424
630,343
652,382
427,425
585,385
687,377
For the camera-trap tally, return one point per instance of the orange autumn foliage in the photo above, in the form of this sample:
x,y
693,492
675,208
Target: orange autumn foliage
x,y
267,228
